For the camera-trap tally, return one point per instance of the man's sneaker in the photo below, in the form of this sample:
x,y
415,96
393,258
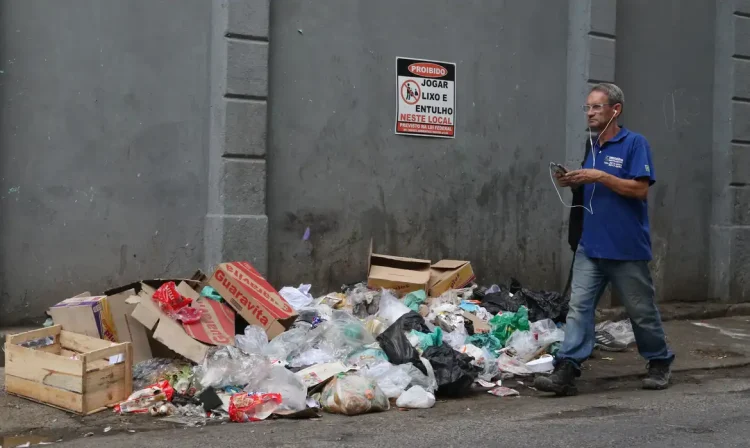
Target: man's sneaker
x,y
605,341
561,381
659,373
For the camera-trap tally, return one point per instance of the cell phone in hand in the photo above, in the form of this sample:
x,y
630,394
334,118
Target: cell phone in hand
x,y
559,169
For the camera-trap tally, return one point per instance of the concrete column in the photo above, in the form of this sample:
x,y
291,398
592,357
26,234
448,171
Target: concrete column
x,y
730,229
591,60
236,223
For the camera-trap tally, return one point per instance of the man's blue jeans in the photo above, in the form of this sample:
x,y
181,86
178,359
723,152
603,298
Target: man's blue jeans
x,y
632,282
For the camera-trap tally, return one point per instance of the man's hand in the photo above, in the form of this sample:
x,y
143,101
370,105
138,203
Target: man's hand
x,y
587,176
563,181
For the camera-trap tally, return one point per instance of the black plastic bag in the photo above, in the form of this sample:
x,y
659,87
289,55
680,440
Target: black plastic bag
x,y
454,372
395,343
541,304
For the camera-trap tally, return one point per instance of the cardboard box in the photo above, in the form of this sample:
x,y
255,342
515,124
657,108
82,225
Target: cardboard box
x,y
174,335
89,316
402,275
245,290
128,329
449,274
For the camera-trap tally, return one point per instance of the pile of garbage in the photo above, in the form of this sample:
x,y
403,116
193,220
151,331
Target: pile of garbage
x,y
368,347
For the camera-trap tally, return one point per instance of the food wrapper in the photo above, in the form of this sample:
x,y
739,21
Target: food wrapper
x,y
141,401
245,407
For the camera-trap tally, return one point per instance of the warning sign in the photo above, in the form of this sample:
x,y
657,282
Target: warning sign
x,y
426,98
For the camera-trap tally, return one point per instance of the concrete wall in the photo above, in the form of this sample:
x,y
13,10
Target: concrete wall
x,y
666,71
103,129
336,166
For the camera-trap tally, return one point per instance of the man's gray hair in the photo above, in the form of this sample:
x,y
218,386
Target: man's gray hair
x,y
614,93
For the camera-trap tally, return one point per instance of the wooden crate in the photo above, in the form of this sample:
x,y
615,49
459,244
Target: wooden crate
x,y
73,374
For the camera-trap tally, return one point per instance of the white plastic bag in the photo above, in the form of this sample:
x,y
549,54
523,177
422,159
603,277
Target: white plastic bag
x,y
253,341
312,357
512,365
416,398
475,352
456,338
523,343
392,380
287,343
291,388
547,332
297,297
391,308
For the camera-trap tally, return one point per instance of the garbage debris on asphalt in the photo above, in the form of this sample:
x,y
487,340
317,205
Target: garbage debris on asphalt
x,y
230,347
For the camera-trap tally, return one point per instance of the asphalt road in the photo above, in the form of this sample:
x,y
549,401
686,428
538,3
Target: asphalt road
x,y
702,409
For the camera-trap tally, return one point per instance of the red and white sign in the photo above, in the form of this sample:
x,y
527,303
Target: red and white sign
x,y
426,98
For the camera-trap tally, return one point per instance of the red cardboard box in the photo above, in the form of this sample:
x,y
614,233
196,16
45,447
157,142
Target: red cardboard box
x,y
245,290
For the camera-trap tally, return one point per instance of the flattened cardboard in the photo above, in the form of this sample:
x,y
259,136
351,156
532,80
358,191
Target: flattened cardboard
x,y
166,330
89,316
402,275
480,326
449,274
245,290
128,329
216,326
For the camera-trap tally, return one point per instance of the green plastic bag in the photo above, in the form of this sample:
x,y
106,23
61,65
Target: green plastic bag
x,y
210,293
485,340
414,299
427,340
503,325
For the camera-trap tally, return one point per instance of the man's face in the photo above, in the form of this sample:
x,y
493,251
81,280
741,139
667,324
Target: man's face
x,y
599,112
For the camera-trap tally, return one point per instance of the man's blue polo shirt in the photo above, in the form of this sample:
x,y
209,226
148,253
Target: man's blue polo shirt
x,y
618,229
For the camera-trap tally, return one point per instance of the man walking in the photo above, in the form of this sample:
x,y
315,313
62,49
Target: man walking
x,y
615,245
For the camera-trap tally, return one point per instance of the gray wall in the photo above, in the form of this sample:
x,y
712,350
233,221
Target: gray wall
x,y
336,166
103,130
665,64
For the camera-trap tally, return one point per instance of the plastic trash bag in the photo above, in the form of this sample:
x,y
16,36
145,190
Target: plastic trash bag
x,y
416,398
297,297
155,370
475,352
364,301
622,331
352,394
454,372
285,383
456,338
230,366
414,299
395,342
343,335
490,368
503,325
485,340
367,356
541,304
375,325
311,357
244,407
523,344
512,365
392,380
211,293
423,341
547,332
390,308
254,340
286,344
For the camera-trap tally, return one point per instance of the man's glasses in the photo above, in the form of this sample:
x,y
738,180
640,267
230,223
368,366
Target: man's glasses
x,y
594,107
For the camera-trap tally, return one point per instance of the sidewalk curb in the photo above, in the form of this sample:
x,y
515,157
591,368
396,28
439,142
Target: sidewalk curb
x,y
682,311
635,376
